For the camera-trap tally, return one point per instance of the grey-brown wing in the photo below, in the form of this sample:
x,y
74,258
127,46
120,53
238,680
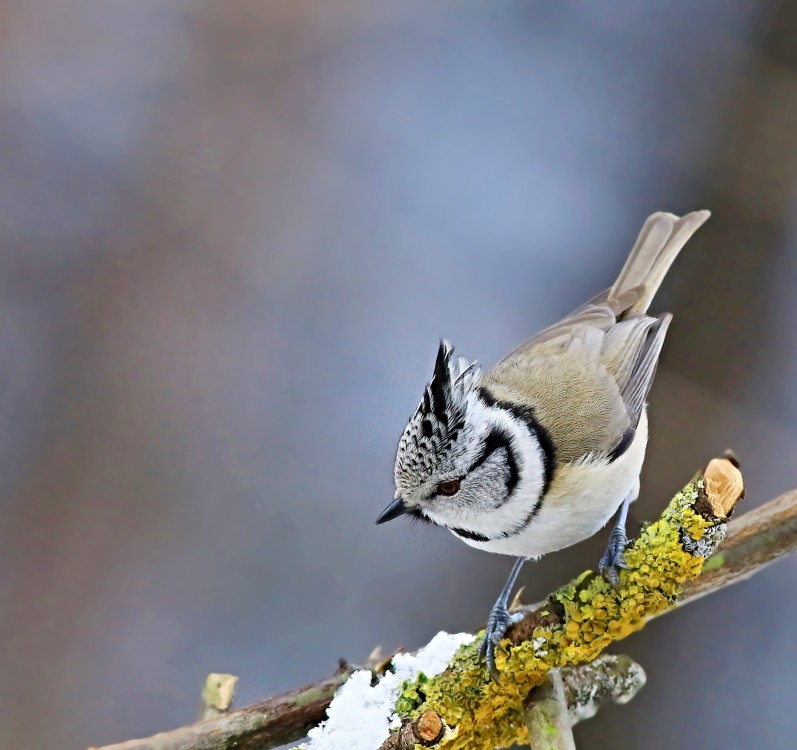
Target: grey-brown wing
x,y
587,384
600,312
572,394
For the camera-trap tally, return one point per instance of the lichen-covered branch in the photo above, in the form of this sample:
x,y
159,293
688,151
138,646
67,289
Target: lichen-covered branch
x,y
615,678
585,688
753,541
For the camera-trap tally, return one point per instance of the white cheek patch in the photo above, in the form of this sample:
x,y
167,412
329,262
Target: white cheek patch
x,y
486,488
486,508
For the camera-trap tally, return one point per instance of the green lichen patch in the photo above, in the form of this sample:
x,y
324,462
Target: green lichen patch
x,y
486,714
715,562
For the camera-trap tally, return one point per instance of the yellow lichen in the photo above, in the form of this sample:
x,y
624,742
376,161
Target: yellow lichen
x,y
485,714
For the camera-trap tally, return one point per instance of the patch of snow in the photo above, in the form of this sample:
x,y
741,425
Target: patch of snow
x,y
360,716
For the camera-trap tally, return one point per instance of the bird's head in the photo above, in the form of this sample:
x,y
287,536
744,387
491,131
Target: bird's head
x,y
461,456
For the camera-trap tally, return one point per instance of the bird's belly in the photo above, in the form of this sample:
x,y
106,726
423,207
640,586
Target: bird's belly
x,y
578,504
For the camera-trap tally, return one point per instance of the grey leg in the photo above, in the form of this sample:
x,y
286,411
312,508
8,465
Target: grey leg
x,y
612,561
500,619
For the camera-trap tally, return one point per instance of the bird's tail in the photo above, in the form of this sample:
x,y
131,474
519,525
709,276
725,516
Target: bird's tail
x,y
659,242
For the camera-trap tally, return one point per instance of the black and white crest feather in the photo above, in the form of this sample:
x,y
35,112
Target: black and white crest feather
x,y
439,417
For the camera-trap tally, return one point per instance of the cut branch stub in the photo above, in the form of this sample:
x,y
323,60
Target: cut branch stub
x,y
723,487
428,727
426,730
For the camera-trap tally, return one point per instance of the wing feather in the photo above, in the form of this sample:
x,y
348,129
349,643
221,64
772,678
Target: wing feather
x,y
636,390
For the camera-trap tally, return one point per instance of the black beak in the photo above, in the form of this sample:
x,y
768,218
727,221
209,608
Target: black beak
x,y
394,510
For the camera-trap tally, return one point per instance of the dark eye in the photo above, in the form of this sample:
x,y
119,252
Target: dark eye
x,y
451,487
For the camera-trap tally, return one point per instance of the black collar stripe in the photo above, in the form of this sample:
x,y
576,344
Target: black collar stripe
x,y
526,415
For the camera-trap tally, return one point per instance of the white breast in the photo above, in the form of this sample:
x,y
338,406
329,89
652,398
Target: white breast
x,y
581,500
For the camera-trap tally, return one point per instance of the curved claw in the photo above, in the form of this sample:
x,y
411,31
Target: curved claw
x,y
498,623
611,563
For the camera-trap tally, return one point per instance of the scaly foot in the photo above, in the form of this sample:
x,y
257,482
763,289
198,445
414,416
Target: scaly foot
x,y
612,561
497,624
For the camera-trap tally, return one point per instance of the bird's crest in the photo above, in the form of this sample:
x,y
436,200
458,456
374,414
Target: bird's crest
x,y
439,417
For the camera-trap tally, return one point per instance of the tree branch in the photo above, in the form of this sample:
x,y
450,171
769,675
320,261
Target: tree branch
x,y
547,718
268,723
753,541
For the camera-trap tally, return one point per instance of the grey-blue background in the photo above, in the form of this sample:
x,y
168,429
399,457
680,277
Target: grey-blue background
x,y
231,235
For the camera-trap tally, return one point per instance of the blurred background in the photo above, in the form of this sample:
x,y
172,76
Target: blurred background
x,y
231,235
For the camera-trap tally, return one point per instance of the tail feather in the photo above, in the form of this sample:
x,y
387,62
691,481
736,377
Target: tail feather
x,y
662,237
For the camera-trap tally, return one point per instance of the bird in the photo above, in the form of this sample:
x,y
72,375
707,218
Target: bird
x,y
543,449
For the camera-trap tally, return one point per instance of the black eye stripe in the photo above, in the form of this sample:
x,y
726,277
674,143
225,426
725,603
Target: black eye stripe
x,y
495,441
